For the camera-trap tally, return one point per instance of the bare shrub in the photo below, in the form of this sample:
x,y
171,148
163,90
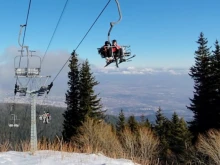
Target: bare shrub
x,y
98,137
141,147
209,144
129,143
148,144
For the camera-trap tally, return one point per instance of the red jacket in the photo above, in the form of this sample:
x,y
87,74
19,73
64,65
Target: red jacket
x,y
115,48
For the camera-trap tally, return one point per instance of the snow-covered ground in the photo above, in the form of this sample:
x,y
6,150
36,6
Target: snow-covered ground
x,y
58,158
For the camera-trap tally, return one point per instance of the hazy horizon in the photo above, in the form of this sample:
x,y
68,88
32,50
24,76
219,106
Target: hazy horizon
x,y
131,89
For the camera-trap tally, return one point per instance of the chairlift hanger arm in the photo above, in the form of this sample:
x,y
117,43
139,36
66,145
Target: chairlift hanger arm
x,y
19,36
49,87
113,23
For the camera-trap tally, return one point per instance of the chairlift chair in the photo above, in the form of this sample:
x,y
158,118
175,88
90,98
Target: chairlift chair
x,y
27,66
126,49
42,90
13,121
46,117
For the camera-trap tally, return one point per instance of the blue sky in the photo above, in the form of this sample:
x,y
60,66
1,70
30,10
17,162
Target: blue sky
x,y
161,33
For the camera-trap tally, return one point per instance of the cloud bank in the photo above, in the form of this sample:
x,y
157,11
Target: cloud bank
x,y
140,70
57,61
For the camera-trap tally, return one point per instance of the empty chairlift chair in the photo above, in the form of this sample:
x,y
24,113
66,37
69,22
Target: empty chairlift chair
x,y
13,121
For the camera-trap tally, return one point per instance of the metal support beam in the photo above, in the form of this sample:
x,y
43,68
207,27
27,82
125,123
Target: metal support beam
x,y
33,124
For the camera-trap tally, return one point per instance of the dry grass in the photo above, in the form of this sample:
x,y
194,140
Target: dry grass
x,y
42,145
5,146
209,144
141,147
57,145
98,137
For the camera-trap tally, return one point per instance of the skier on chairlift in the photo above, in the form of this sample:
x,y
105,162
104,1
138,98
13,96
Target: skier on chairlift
x,y
117,50
46,117
114,52
106,51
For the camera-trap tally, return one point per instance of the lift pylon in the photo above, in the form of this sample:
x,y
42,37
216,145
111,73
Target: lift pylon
x,y
29,81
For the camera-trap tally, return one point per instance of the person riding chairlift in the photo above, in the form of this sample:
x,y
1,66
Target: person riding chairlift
x,y
117,50
106,52
46,117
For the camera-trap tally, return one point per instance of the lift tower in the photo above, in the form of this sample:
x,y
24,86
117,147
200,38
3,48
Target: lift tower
x,y
29,81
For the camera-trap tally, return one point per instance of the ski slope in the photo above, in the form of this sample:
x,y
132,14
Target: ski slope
x,y
47,157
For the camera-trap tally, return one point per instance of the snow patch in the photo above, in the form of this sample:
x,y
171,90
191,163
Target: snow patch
x,y
48,157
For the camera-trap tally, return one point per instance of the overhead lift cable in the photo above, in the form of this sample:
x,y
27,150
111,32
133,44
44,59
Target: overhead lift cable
x,y
82,40
15,90
25,29
29,6
58,22
55,30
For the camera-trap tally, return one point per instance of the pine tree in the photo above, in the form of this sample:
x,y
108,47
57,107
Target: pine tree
x,y
142,118
179,138
90,104
120,125
160,120
176,141
216,85
201,104
162,128
185,131
132,124
72,117
147,123
144,122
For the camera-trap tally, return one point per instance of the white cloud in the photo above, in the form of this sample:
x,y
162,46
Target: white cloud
x,y
131,68
132,72
173,72
52,64
55,60
139,70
